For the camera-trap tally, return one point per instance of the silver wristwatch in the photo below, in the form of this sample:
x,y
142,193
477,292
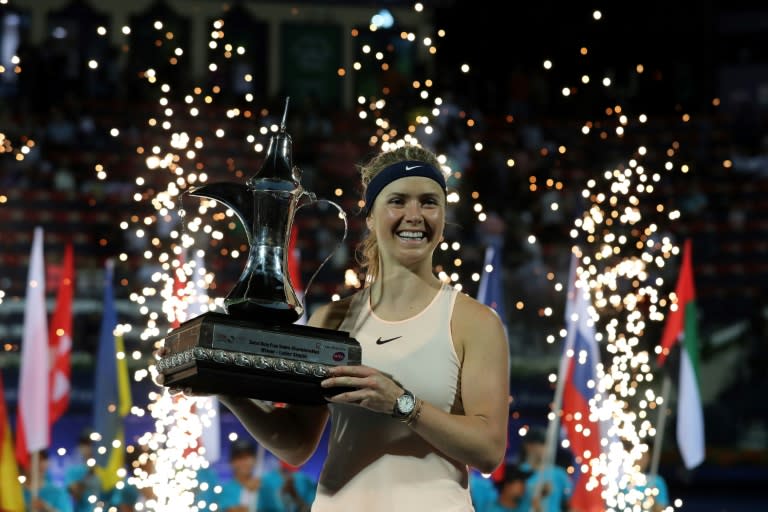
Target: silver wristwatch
x,y
404,405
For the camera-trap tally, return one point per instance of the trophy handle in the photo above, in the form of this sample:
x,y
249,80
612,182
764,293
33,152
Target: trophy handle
x,y
312,199
307,196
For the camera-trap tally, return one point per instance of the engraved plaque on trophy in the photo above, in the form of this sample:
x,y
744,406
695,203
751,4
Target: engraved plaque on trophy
x,y
256,349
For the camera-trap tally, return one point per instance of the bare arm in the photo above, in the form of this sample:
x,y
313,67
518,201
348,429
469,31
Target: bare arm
x,y
479,436
292,433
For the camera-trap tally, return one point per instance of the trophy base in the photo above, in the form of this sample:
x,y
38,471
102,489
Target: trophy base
x,y
217,354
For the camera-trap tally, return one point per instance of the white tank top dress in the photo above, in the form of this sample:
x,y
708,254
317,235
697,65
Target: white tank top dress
x,y
376,463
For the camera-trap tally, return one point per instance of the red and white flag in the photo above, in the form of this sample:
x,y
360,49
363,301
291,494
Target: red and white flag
x,y
60,339
32,424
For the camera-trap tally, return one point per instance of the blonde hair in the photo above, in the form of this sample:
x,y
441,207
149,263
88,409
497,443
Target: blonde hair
x,y
367,251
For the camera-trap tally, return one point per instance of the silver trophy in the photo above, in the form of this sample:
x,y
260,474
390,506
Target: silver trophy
x,y
256,349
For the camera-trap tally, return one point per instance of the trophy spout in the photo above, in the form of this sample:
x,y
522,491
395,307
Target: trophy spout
x,y
235,197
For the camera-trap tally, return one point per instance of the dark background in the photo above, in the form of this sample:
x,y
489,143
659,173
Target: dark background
x,y
693,53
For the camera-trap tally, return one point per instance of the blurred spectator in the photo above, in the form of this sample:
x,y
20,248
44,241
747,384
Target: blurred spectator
x,y
208,489
135,493
50,497
513,493
551,485
286,489
241,492
482,490
80,478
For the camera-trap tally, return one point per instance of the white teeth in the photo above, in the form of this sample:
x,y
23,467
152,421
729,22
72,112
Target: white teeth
x,y
411,234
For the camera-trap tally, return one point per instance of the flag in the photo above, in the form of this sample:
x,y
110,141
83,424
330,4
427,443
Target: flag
x,y
681,331
294,273
32,426
11,496
491,289
579,361
491,293
60,339
112,402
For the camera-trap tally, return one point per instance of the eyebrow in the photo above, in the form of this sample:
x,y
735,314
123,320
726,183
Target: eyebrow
x,y
431,195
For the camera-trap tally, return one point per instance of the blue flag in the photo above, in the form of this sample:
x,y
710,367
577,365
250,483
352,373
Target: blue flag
x,y
111,403
491,293
491,289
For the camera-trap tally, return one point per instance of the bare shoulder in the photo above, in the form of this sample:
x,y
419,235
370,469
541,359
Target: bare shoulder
x,y
471,317
471,310
331,314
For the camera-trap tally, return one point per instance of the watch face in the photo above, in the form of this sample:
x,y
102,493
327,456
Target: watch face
x,y
405,404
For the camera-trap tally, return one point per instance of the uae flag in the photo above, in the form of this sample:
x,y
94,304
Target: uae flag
x,y
680,340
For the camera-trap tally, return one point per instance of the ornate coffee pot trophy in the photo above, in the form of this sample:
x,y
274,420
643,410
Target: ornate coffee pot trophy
x,y
256,349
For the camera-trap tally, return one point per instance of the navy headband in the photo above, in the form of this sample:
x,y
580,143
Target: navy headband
x,y
403,169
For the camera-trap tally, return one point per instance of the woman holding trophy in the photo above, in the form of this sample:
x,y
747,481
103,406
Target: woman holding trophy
x,y
430,398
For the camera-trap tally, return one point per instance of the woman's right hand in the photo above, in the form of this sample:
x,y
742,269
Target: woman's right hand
x,y
159,379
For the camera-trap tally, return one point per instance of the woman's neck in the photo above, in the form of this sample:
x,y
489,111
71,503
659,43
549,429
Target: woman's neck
x,y
403,292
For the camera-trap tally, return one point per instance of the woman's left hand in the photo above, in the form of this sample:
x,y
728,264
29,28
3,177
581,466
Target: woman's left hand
x,y
375,390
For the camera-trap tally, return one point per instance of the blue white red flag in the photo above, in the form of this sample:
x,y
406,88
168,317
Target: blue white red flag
x,y
581,356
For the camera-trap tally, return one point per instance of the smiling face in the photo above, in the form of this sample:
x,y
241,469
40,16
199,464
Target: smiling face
x,y
408,218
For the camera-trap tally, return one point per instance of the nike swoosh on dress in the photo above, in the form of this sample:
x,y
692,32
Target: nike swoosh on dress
x,y
381,341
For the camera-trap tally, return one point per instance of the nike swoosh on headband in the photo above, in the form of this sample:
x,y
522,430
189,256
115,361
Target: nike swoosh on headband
x,y
407,168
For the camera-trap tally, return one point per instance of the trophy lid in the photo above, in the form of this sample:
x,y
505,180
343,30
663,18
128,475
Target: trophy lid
x,y
277,171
